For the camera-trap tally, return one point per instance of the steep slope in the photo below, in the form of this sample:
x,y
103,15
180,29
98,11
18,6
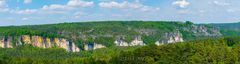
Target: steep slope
x,y
37,41
93,35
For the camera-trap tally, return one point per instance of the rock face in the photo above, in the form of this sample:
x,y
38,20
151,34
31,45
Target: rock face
x,y
120,42
93,46
165,38
170,37
136,42
6,42
43,42
75,48
202,30
38,41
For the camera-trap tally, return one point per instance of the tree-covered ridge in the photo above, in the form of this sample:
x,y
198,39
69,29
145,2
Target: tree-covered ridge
x,y
229,29
106,32
112,27
206,51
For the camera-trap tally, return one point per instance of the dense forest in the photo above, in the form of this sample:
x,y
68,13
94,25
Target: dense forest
x,y
205,51
229,29
106,32
203,43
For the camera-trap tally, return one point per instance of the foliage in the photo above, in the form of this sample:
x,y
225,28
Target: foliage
x,y
204,51
98,32
223,50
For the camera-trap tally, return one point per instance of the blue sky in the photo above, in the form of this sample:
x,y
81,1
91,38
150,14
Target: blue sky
x,y
27,12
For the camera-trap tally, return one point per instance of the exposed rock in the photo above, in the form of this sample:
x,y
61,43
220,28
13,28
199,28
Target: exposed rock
x,y
5,42
93,46
88,46
19,41
48,43
160,43
2,42
97,46
26,39
202,30
137,41
170,37
8,42
63,43
120,42
38,41
75,48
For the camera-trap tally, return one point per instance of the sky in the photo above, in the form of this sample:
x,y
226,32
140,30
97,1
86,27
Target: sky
x,y
29,12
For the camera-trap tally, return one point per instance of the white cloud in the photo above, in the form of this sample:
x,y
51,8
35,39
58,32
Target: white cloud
x,y
54,7
36,11
181,3
80,3
112,4
3,6
220,3
124,4
2,3
24,19
26,11
27,1
70,5
127,5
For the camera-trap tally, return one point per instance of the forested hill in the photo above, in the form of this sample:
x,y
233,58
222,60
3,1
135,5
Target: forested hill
x,y
229,29
120,42
107,33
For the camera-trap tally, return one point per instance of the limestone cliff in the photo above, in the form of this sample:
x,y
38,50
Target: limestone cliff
x,y
6,42
120,42
93,46
137,41
202,30
44,42
170,37
38,41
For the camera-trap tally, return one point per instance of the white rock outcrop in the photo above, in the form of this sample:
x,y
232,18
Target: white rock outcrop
x,y
38,41
171,37
136,42
120,42
5,42
93,46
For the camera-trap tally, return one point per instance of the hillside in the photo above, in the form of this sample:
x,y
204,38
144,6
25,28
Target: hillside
x,y
120,42
205,51
229,29
93,35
